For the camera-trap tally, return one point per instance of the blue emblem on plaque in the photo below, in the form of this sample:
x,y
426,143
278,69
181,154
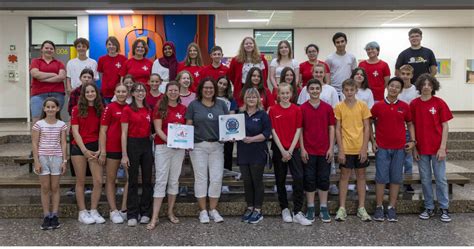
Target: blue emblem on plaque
x,y
232,125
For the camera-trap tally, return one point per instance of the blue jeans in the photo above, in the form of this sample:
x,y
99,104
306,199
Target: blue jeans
x,y
427,164
408,164
36,102
389,166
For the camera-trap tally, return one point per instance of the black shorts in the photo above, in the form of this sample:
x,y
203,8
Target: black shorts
x,y
76,151
353,162
114,155
316,174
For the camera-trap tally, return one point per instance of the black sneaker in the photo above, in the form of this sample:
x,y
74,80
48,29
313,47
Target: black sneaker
x,y
392,214
445,217
54,223
409,189
246,215
46,223
428,213
379,215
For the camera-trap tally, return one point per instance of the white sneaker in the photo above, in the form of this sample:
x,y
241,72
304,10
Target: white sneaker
x,y
214,215
115,217
204,217
225,189
289,188
124,215
351,187
132,222
85,218
300,218
333,190
286,215
96,216
144,220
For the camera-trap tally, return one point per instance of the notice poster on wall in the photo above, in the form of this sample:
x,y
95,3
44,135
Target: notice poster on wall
x,y
231,127
180,136
444,68
470,71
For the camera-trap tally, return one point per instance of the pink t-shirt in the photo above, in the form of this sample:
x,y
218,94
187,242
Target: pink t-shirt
x,y
49,137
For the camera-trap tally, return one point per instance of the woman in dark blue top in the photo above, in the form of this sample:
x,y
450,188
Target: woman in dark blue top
x,y
252,154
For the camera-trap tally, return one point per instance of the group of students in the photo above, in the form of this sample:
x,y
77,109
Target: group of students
x,y
312,112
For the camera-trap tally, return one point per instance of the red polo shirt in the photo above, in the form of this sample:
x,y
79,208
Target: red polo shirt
x,y
40,87
390,123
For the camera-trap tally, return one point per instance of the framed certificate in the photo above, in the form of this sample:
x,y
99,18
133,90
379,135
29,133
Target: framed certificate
x,y
180,136
231,127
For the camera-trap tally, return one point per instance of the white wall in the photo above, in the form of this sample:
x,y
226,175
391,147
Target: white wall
x,y
454,43
14,97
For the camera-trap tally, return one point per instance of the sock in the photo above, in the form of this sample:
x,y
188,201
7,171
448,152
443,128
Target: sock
x,y
310,205
53,214
46,215
323,205
389,207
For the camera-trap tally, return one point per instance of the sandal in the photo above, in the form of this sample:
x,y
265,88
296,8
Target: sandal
x,y
173,219
150,226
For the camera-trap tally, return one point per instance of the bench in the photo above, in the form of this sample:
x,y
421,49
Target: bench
x,y
25,160
31,181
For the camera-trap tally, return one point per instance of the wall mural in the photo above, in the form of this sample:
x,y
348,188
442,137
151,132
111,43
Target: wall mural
x,y
155,30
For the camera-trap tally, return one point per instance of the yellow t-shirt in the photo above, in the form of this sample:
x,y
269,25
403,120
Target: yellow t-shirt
x,y
352,125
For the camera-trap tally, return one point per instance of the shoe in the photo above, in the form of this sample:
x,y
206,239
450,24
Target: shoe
x,y
428,213
123,214
445,217
256,217
246,215
225,189
96,216
351,187
87,191
286,215
132,222
204,217
144,220
324,215
46,223
310,214
333,190
363,215
333,168
183,191
392,214
214,215
341,214
54,222
71,192
379,215
85,217
301,219
115,217
409,189
289,188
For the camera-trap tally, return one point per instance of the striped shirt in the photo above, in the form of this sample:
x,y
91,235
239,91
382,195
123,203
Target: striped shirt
x,y
50,137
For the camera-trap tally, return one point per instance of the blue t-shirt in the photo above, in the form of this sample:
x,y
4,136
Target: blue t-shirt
x,y
254,153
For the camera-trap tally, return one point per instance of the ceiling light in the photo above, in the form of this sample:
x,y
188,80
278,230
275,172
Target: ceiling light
x,y
400,25
110,11
249,20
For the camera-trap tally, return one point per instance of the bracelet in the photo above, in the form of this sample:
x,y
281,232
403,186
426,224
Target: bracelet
x,y
65,161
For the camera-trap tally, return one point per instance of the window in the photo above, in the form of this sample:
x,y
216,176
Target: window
x,y
61,31
268,39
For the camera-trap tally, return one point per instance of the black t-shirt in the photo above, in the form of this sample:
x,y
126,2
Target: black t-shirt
x,y
420,59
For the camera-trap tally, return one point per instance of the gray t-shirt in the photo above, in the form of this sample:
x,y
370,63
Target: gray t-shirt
x,y
206,119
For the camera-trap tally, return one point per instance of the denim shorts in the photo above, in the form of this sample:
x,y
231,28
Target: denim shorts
x,y
36,102
50,165
389,166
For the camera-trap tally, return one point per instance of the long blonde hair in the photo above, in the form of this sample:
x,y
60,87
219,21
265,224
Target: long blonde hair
x,y
242,55
187,60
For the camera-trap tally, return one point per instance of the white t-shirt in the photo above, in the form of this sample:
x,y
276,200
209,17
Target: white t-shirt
x,y
408,94
246,68
74,68
279,67
328,95
363,95
341,67
163,72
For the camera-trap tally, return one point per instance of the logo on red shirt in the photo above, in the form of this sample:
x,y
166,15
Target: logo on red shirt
x,y
375,73
432,110
148,117
145,68
118,65
178,115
